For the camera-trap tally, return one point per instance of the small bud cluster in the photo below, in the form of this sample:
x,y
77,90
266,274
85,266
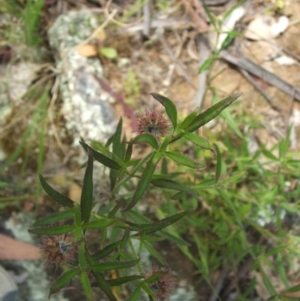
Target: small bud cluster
x,y
163,287
151,121
57,249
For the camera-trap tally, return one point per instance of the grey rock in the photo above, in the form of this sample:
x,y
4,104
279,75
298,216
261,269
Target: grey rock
x,y
86,106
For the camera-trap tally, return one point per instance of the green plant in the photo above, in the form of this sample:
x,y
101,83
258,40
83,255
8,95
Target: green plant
x,y
31,15
131,87
241,218
28,16
66,234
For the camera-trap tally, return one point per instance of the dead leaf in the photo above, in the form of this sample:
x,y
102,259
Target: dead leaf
x,y
87,50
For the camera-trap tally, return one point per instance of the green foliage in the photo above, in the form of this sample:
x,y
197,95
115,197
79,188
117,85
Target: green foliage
x,y
119,215
32,16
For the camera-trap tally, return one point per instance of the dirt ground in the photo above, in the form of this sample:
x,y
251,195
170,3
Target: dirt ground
x,y
167,61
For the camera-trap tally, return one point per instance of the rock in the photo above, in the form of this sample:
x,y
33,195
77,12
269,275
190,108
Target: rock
x,y
86,107
265,27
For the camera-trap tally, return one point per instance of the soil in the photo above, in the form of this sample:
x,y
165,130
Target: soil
x,y
171,68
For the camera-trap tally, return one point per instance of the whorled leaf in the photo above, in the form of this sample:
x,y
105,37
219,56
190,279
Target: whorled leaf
x,y
145,138
87,190
143,183
63,281
106,161
55,217
55,230
55,195
211,113
156,226
169,106
115,265
123,280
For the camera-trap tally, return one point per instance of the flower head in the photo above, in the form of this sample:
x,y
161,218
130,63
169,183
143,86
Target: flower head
x,y
151,121
57,249
164,286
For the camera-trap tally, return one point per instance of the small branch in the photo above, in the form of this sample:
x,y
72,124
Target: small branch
x,y
243,63
176,62
204,54
147,18
259,89
219,284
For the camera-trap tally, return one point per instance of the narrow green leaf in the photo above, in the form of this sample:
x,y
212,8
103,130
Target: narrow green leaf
x,y
184,160
143,183
62,281
55,195
104,286
267,282
102,283
187,120
232,124
165,143
124,240
156,226
154,277
86,285
210,16
146,288
99,223
128,152
118,150
293,289
174,185
227,41
55,217
233,178
200,141
123,280
116,265
57,230
206,65
87,191
276,250
101,158
219,163
106,251
164,166
119,204
229,203
177,240
145,138
211,112
116,140
169,106
233,8
77,215
135,295
269,155
154,253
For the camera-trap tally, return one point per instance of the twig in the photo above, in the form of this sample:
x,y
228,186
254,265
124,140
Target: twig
x,y
204,54
243,63
259,89
173,23
242,274
51,115
199,23
147,18
219,284
176,62
97,30
172,67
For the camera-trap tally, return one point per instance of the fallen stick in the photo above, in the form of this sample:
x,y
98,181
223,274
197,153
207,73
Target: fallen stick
x,y
243,63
